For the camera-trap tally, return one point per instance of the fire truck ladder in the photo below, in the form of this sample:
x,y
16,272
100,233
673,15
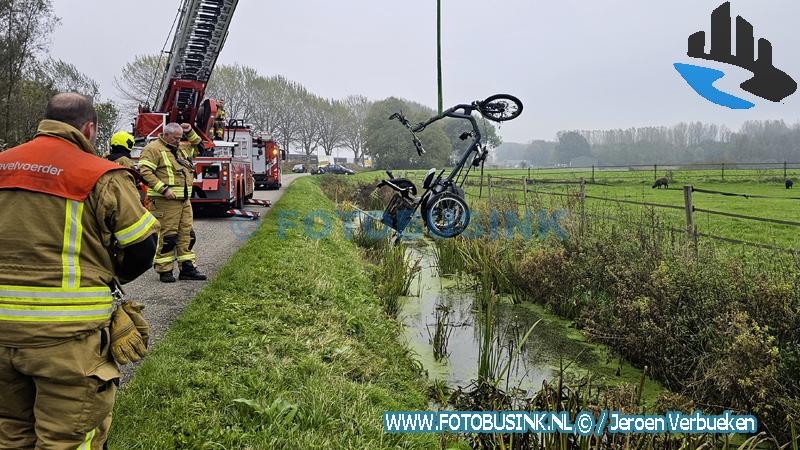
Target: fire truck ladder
x,y
199,38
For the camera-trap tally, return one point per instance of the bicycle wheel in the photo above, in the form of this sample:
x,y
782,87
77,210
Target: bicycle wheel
x,y
501,107
447,215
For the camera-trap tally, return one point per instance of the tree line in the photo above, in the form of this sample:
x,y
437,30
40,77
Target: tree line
x,y
29,76
308,123
275,106
695,142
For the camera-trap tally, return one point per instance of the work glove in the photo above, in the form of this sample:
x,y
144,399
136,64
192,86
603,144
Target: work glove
x,y
129,333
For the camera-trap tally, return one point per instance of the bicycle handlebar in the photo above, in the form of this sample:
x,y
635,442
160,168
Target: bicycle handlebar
x,y
452,112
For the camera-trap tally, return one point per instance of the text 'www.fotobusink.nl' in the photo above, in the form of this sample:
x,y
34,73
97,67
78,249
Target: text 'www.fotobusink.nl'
x,y
583,424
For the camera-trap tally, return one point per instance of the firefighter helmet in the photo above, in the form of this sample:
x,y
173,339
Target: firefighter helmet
x,y
122,139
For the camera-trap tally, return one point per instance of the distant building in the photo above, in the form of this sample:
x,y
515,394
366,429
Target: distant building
x,y
298,158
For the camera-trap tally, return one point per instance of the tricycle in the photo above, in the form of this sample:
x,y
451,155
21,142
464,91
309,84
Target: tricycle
x,y
441,201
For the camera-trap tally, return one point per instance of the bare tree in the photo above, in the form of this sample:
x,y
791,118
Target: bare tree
x,y
332,115
25,26
237,85
288,100
266,110
139,82
65,77
309,114
355,125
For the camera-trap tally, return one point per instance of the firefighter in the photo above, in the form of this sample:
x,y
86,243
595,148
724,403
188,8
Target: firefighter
x,y
189,142
76,231
188,150
169,179
220,119
121,145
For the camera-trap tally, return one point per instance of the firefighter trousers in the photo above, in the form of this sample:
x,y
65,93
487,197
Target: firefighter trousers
x,y
175,237
58,397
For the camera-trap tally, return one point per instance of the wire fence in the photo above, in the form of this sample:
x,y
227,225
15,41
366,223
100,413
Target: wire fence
x,y
712,171
488,187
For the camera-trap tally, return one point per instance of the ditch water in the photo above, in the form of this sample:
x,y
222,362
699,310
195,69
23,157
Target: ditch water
x,y
448,302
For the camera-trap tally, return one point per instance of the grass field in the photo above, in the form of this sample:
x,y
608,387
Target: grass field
x,y
636,186
287,347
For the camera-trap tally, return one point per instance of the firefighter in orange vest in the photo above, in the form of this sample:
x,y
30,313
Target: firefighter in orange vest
x,y
169,177
76,231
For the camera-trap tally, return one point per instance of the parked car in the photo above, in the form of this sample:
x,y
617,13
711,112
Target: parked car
x,y
335,169
299,168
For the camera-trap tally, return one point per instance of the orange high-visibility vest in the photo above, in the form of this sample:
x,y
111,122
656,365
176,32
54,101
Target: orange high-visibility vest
x,y
52,166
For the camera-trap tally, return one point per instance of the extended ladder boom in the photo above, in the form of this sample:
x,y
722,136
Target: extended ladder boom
x,y
199,38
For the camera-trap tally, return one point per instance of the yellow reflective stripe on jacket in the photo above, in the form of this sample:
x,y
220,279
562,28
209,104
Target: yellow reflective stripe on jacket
x,y
135,231
187,257
44,295
87,442
177,190
168,167
148,164
54,305
159,187
71,251
55,313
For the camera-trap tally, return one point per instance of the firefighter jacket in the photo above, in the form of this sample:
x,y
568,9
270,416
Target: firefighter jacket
x,y
188,147
220,117
121,157
69,217
164,167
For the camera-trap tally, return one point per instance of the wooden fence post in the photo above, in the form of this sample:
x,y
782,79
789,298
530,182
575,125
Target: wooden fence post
x,y
582,198
525,190
691,230
490,187
784,170
592,173
723,171
655,172
529,172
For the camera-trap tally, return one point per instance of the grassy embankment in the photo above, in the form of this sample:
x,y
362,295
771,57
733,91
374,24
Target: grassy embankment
x,y
287,347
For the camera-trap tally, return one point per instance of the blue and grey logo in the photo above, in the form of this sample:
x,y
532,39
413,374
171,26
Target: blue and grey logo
x,y
768,82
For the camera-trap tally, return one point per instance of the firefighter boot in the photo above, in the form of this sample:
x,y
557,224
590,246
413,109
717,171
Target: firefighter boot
x,y
190,272
167,277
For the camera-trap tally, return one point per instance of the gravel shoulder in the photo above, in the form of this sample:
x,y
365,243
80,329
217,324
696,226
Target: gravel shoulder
x,y
217,240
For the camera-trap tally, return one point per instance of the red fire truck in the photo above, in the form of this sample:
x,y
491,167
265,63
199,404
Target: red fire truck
x,y
224,170
267,157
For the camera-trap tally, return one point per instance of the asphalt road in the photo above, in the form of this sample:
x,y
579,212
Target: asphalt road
x,y
217,240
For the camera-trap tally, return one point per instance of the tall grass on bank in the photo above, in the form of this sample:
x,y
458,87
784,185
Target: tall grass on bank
x,y
718,324
448,257
287,347
442,330
393,277
585,396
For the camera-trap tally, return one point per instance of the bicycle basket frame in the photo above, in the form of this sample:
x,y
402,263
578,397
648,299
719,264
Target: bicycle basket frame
x,y
398,213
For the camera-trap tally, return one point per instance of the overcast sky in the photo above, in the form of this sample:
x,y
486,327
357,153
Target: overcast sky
x,y
576,64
